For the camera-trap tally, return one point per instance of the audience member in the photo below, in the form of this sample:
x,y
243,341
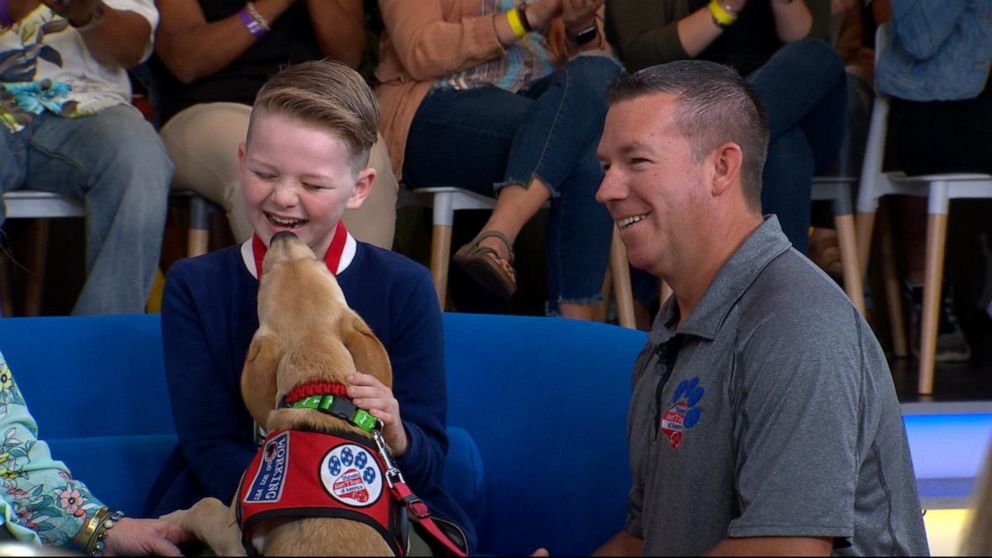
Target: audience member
x,y
763,419
936,71
505,99
43,504
213,56
304,161
69,128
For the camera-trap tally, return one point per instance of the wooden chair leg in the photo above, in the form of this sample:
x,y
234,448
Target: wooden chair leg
x,y
440,256
893,290
198,236
848,244
620,270
936,244
664,293
37,256
864,224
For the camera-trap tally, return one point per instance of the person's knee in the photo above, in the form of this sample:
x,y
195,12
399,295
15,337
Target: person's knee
x,y
816,53
591,75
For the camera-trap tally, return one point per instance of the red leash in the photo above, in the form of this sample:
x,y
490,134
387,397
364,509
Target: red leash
x,y
413,504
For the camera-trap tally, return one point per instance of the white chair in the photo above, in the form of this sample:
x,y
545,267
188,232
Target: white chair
x,y
40,206
445,201
838,191
939,189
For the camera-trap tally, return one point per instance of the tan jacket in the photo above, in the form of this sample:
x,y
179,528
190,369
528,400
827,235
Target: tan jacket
x,y
424,40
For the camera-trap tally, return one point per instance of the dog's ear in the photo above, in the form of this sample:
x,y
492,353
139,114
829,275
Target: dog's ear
x,y
366,350
258,378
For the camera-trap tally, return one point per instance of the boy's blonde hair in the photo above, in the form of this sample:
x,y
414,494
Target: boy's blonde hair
x,y
327,94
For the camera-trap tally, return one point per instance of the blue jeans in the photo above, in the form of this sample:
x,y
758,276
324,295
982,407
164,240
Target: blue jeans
x,y
803,87
115,161
483,139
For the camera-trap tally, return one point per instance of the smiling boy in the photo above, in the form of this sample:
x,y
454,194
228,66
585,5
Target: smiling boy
x,y
303,164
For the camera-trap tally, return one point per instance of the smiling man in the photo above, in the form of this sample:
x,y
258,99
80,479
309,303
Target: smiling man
x,y
763,418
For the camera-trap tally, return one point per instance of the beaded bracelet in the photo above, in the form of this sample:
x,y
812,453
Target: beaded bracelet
x,y
96,530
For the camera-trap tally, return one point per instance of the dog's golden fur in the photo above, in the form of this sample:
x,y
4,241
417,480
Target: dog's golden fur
x,y
306,333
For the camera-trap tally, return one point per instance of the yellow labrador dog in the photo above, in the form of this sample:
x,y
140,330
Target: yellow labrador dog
x,y
307,343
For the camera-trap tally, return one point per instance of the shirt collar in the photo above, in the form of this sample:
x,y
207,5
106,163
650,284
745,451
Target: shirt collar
x,y
765,244
350,248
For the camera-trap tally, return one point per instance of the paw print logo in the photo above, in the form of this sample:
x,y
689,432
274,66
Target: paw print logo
x,y
334,465
351,475
684,413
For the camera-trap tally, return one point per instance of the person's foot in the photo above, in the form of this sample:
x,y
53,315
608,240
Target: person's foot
x,y
952,346
488,260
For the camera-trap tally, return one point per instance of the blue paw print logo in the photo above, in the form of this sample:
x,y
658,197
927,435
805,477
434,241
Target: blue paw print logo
x,y
684,413
352,475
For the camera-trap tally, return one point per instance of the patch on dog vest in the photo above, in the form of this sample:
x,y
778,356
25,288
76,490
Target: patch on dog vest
x,y
351,475
270,478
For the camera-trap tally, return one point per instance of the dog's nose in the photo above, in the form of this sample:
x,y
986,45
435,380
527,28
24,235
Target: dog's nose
x,y
282,235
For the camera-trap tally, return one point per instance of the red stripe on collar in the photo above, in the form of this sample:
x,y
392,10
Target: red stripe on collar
x,y
332,259
315,388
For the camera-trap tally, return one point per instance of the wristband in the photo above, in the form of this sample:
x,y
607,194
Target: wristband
x,y
254,22
513,18
522,13
722,17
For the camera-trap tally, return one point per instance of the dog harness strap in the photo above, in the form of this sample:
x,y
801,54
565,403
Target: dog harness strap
x,y
332,259
310,474
402,493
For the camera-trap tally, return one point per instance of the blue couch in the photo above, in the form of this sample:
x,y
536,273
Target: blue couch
x,y
537,411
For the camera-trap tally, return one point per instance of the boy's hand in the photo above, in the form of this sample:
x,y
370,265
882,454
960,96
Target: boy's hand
x,y
368,393
78,12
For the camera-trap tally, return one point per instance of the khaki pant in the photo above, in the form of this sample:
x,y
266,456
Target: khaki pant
x,y
202,142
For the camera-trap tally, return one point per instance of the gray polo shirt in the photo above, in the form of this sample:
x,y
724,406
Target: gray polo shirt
x,y
769,412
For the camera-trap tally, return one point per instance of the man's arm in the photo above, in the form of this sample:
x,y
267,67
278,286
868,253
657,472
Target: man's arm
x,y
622,544
114,37
773,546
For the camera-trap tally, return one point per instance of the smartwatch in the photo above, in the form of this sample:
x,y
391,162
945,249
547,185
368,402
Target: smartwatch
x,y
586,35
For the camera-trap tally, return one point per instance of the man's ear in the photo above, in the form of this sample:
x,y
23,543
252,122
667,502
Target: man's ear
x,y
727,160
363,187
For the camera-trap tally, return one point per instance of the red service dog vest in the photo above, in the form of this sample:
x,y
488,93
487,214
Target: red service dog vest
x,y
309,474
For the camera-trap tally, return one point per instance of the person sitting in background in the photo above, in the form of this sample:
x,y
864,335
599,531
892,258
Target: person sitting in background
x,y
936,71
68,127
505,99
781,47
303,162
41,503
212,57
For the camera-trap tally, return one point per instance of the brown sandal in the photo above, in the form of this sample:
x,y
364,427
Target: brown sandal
x,y
487,267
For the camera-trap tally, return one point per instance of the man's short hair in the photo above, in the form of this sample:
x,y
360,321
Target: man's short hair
x,y
327,94
715,105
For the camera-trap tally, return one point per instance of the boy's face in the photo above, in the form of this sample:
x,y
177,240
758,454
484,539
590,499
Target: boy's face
x,y
298,177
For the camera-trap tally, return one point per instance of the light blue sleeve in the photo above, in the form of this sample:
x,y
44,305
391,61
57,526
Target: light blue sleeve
x,y
39,493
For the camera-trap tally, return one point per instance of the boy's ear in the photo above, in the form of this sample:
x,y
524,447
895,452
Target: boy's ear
x,y
363,187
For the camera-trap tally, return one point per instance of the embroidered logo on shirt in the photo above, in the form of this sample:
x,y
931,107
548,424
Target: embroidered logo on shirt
x,y
351,475
684,413
271,476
